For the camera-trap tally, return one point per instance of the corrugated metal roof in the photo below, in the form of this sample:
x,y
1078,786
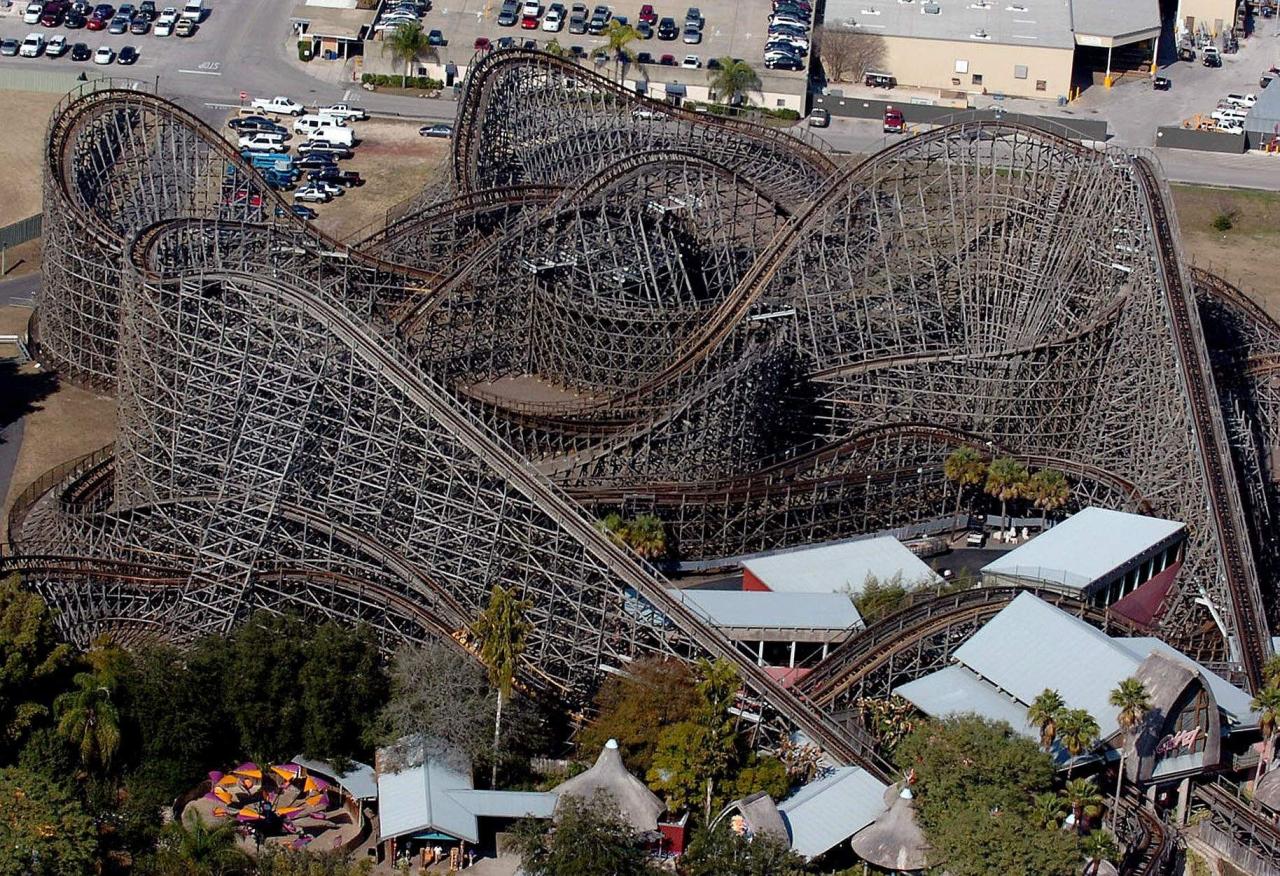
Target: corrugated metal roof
x,y
1040,23
955,691
506,804
417,799
832,568
788,611
823,814
1109,18
1085,547
1030,646
358,781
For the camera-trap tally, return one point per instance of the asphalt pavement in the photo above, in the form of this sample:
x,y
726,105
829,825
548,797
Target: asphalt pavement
x,y
19,290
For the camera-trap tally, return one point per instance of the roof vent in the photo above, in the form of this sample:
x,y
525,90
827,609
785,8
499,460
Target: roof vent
x,y
871,10
979,34
930,9
1015,7
979,4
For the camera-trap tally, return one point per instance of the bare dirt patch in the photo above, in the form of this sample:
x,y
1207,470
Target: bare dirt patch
x,y
1244,253
22,144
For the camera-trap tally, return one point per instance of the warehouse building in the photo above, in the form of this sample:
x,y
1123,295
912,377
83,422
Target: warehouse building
x,y
1262,124
1107,557
1021,48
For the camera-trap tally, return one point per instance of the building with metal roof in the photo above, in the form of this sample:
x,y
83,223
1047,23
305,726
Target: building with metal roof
x,y
1100,554
1262,124
841,567
358,780
1023,48
825,813
1031,646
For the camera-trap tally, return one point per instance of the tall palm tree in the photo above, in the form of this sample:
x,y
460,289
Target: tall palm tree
x,y
966,468
406,43
1044,712
1006,479
1049,491
193,847
1077,731
1084,801
503,630
1046,810
735,79
1131,698
1267,705
89,720
619,36
647,536
1271,671
1098,847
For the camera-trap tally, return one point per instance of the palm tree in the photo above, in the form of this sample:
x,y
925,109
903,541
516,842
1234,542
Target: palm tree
x,y
619,36
406,43
1131,698
1046,810
1267,705
1078,731
613,526
1044,712
1084,801
193,847
1098,847
554,48
1049,491
503,630
1006,479
89,720
647,536
1271,671
964,467
735,79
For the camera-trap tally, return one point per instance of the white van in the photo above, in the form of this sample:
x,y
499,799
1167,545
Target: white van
x,y
193,10
334,136
313,122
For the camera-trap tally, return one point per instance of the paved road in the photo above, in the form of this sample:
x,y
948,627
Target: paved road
x,y
19,290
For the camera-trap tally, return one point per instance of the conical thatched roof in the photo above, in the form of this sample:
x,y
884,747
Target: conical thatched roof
x,y
1268,791
638,805
893,841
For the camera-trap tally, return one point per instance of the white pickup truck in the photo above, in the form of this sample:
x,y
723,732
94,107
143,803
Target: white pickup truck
x,y
280,105
343,111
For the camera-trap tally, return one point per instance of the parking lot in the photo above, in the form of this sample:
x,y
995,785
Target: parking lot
x,y
732,29
155,54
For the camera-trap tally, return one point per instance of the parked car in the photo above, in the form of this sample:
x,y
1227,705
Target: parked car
x,y
440,129
894,123
32,46
691,62
647,14
667,29
74,20
507,17
256,123
1212,60
578,23
482,44
528,22
505,42
31,15
164,26
302,212
553,21
119,24
667,60
1161,83
8,47
147,9
1241,100
693,18
185,28
57,47
692,36
260,142
53,13
81,52
316,161
141,25
436,38
343,111
644,29
599,20
784,62
819,118
644,58
348,178
128,55
313,194
531,8
104,55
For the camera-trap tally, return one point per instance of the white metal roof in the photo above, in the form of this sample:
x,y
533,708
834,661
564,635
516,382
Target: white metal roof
x,y
834,567
417,799
1041,23
1086,547
753,609
358,781
1031,645
506,804
827,812
955,691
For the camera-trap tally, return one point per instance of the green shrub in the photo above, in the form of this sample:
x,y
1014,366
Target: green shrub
x,y
304,50
1224,221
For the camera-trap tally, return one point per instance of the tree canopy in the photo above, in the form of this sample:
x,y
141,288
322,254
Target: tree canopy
x,y
721,852
31,660
694,755
637,707
44,830
587,838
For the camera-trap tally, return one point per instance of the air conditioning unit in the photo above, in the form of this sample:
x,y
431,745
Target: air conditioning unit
x,y
930,9
979,34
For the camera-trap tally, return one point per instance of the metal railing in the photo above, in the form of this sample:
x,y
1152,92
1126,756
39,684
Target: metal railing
x,y
21,231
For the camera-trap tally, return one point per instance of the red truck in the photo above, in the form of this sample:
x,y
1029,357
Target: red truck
x,y
893,121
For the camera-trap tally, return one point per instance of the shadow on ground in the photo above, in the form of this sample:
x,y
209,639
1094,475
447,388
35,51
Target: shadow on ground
x,y
22,391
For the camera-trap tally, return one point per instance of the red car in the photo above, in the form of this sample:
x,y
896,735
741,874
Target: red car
x,y
482,44
529,23
667,60
647,15
96,23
